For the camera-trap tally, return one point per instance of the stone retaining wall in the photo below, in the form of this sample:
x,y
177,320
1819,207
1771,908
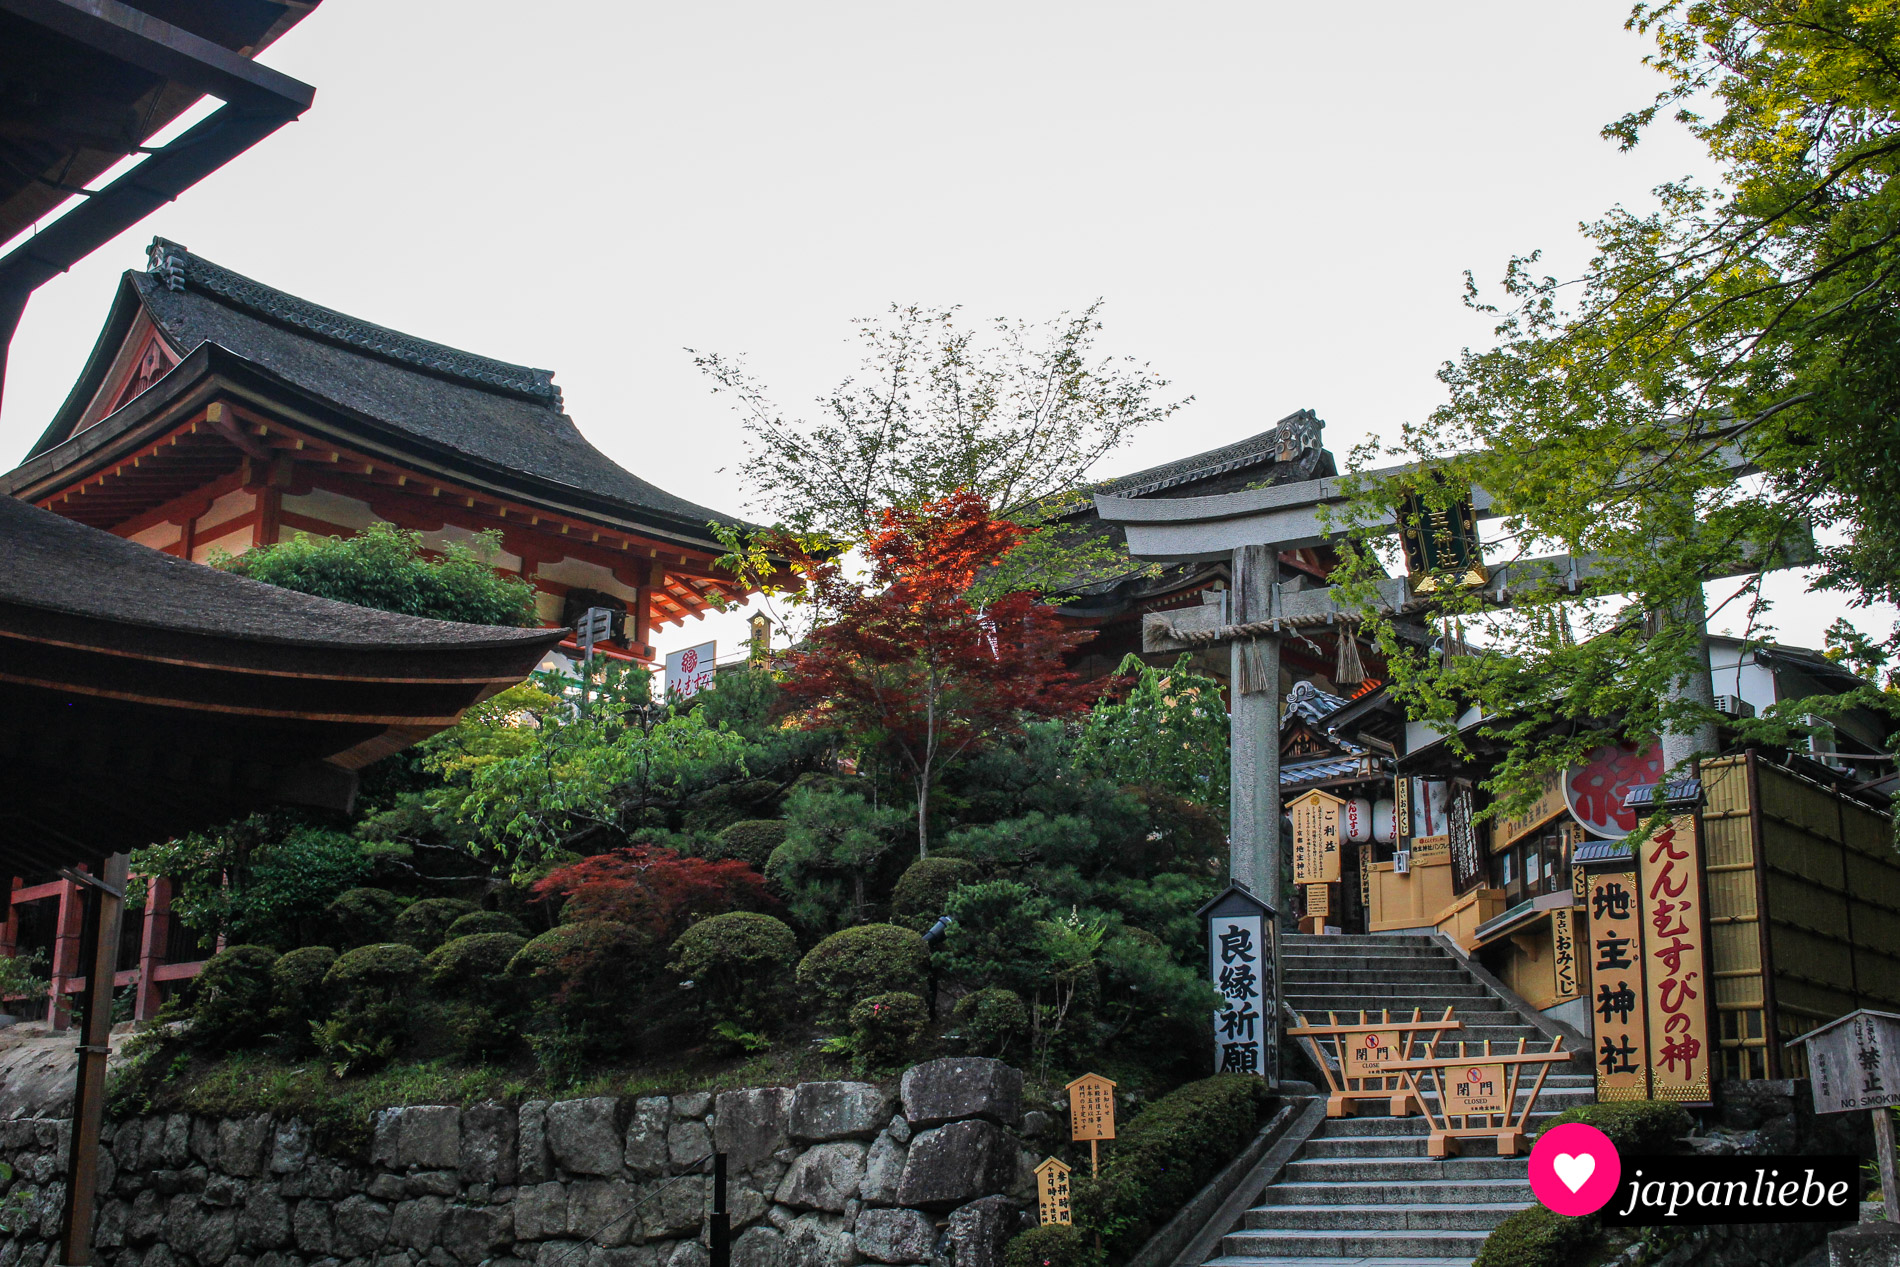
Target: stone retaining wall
x,y
824,1174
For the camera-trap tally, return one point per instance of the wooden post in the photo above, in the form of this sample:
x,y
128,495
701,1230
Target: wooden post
x,y
105,907
721,1222
66,953
1253,686
1883,1148
154,936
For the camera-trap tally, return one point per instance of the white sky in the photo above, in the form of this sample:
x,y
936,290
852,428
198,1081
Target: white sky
x,y
1277,201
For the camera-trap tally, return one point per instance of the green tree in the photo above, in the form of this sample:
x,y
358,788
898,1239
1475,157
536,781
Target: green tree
x,y
1168,732
385,567
1752,321
835,845
260,879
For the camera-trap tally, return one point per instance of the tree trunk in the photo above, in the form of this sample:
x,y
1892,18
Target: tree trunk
x,y
923,814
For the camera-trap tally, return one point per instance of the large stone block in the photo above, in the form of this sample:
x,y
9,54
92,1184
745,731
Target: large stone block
x,y
689,1254
174,1148
109,1232
264,1222
601,1210
416,1224
688,1145
980,1230
838,1110
362,1225
959,1087
532,1162
289,1148
645,1154
217,1236
183,1217
677,1208
761,1247
312,1227
127,1145
622,1256
475,1233
430,1137
488,1143
692,1104
895,1236
819,1240
540,1211
823,1178
242,1145
752,1124
584,1135
883,1170
955,1164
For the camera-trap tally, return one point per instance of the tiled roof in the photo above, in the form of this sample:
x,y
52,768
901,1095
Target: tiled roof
x,y
1294,773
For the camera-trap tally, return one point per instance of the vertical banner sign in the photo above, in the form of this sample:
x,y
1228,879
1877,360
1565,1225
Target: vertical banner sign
x,y
1467,859
1365,878
1563,953
1616,968
1052,1192
1242,947
1401,809
1675,963
1315,838
690,671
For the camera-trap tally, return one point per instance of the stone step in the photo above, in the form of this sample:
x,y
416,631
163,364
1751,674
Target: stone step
x,y
1327,1260
1384,1124
1360,954
1346,1146
1444,1216
1405,1170
1429,1192
1359,939
1366,1244
1349,1012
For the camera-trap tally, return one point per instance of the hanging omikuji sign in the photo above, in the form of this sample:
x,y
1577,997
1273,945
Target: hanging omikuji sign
x,y
690,671
1563,953
1854,1063
1243,963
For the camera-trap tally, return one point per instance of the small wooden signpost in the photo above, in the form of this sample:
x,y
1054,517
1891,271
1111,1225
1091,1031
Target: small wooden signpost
x,y
1092,1113
1316,853
1854,1063
1052,1191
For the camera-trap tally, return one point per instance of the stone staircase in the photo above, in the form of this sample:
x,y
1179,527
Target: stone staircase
x,y
1362,1191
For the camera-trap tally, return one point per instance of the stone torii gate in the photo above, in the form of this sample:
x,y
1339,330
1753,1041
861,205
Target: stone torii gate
x,y
1250,529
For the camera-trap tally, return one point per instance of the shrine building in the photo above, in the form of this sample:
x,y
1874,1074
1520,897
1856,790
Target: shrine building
x,y
217,414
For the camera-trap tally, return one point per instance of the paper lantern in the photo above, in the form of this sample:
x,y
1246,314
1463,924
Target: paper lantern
x,y
1355,818
1382,825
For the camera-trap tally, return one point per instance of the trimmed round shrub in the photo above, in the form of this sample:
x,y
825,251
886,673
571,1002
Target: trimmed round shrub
x,y
740,964
1053,1245
991,1020
385,966
486,922
1634,1126
298,995
475,967
1533,1237
924,888
583,975
858,962
376,985
425,925
232,995
364,917
750,840
885,1028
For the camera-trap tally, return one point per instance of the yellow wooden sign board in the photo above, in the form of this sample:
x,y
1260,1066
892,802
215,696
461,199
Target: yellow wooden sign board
x,y
1616,972
1549,804
1319,899
1367,1055
1430,849
1563,952
1052,1191
1675,966
1091,1107
1315,837
1474,1089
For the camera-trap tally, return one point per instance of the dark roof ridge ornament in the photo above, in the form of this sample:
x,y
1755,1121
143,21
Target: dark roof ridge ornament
x,y
173,265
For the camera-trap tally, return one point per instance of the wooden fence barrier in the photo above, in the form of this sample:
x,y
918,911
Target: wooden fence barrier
x,y
1365,1057
1480,1086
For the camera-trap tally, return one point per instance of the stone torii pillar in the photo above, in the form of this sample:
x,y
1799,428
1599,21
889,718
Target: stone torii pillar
x,y
1253,816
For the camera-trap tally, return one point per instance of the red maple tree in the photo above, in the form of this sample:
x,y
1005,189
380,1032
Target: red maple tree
x,y
910,665
656,892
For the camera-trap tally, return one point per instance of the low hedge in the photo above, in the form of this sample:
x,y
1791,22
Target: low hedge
x,y
925,886
741,963
750,840
1167,1152
426,924
485,922
1053,1245
475,967
1634,1126
364,917
858,962
990,1020
886,1028
231,997
1534,1237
